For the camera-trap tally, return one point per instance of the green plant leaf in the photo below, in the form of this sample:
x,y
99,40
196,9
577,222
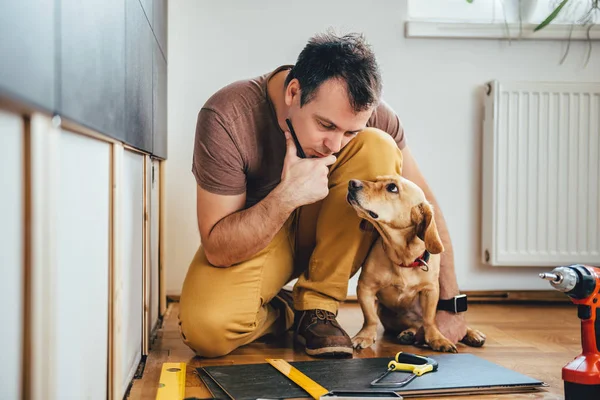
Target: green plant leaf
x,y
551,17
469,1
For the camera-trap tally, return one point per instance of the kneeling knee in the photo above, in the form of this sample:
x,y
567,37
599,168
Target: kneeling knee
x,y
376,151
374,137
209,334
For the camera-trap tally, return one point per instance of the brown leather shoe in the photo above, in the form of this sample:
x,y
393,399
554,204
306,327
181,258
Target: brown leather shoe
x,y
321,334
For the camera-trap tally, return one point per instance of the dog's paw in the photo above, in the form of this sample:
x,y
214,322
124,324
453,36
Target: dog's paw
x,y
474,338
442,344
406,337
362,340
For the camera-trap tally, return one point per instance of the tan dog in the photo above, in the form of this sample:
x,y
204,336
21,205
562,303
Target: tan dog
x,y
395,273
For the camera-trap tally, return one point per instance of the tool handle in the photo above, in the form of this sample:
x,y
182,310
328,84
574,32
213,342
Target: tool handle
x,y
590,333
418,370
587,310
423,369
414,359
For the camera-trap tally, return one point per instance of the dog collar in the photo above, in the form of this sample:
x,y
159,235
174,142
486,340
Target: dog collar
x,y
419,262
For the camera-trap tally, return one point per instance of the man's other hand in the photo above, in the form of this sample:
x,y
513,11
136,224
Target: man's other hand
x,y
452,326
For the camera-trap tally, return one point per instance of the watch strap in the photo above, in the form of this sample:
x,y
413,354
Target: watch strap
x,y
455,304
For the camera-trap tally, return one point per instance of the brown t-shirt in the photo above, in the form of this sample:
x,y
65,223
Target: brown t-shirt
x,y
239,146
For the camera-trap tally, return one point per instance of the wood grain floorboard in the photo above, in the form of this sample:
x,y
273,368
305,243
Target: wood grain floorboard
x,y
535,340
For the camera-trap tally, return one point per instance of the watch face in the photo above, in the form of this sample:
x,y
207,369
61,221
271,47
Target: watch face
x,y
455,304
461,303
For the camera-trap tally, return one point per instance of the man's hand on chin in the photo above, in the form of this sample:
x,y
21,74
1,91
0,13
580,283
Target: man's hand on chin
x,y
452,326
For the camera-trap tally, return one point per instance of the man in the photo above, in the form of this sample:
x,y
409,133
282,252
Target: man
x,y
266,215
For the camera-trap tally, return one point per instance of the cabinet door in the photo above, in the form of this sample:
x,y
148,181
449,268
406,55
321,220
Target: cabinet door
x,y
80,364
11,254
160,104
92,64
138,78
27,51
132,265
154,244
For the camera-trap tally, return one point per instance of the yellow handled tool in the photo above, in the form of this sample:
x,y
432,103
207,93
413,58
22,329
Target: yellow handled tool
x,y
406,362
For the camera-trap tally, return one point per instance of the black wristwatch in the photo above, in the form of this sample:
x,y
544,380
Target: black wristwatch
x,y
454,305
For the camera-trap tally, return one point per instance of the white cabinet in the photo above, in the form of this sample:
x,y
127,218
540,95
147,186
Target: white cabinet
x,y
82,267
79,259
11,254
70,263
154,243
131,269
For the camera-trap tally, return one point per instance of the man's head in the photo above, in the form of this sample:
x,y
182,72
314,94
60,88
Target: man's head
x,y
332,91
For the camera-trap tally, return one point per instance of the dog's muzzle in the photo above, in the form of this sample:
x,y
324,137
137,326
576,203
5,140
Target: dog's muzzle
x,y
355,186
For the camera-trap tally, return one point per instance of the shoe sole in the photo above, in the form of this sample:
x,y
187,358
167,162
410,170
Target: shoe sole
x,y
332,351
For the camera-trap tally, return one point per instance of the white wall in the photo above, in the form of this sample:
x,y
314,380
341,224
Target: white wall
x,y
435,86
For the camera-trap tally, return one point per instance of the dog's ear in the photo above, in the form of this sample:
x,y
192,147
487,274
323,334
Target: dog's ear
x,y
422,216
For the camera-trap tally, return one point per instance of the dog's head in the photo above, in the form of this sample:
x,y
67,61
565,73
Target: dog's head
x,y
393,202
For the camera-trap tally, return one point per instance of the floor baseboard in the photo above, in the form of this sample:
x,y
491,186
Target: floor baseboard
x,y
510,296
489,296
518,296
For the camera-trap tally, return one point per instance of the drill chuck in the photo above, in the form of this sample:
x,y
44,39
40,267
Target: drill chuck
x,y
576,281
549,276
563,279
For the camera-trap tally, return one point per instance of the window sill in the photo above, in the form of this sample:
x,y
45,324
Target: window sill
x,y
497,30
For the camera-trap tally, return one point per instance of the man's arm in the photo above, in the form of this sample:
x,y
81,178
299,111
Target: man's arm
x,y
448,284
387,120
452,326
231,235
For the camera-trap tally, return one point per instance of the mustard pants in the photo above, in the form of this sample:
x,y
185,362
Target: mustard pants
x,y
321,244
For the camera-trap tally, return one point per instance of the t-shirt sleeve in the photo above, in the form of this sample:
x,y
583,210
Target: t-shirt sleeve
x,y
386,119
217,164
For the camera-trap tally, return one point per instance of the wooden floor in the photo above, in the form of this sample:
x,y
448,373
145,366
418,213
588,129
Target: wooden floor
x,y
536,340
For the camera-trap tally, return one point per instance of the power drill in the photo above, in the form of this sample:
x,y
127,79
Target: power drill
x,y
582,284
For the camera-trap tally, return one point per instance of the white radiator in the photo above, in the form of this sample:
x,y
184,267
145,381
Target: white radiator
x,y
541,174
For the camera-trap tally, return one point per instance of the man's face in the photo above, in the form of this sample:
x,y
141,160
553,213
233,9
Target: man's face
x,y
326,123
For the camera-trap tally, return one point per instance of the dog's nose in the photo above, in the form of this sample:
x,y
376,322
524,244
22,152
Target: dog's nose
x,y
355,184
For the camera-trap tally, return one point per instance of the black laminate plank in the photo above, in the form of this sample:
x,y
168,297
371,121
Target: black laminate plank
x,y
160,149
160,24
456,371
27,51
148,6
138,78
92,64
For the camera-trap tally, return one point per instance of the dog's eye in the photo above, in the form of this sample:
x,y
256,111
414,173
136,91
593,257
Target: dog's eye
x,y
392,188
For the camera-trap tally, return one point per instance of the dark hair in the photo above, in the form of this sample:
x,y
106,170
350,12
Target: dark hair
x,y
347,57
